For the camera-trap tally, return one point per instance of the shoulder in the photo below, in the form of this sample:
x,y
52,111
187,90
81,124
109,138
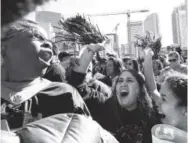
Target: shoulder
x,y
184,68
165,69
56,67
62,125
57,88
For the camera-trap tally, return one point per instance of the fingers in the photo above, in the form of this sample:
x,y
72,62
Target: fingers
x,y
96,47
148,50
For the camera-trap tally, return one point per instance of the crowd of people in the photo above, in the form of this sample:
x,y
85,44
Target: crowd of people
x,y
102,99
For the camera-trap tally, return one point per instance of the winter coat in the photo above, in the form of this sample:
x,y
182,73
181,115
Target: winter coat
x,y
127,126
94,92
53,99
61,128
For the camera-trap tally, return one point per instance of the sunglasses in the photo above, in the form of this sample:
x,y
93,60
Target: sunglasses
x,y
172,60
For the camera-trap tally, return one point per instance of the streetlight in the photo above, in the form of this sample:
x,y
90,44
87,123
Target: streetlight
x,y
128,13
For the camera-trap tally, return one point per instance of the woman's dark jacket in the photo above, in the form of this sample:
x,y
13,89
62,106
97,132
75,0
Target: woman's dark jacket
x,y
65,128
126,126
93,94
54,99
55,73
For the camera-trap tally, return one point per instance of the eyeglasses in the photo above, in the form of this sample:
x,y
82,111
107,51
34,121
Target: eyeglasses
x,y
172,60
34,33
12,35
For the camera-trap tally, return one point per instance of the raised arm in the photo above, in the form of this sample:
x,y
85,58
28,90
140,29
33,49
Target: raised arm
x,y
149,75
87,56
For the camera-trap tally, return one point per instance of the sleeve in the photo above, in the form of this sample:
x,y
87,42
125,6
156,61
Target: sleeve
x,y
55,73
87,91
76,78
90,93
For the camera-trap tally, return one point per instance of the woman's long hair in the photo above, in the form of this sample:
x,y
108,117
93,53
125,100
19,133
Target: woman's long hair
x,y
144,101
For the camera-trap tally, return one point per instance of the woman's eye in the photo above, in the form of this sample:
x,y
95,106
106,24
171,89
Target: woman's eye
x,y
120,80
129,80
40,37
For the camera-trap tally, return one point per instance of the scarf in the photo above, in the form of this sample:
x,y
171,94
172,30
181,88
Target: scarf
x,y
18,92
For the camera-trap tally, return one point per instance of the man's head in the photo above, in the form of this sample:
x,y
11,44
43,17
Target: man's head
x,y
125,60
26,52
65,59
174,59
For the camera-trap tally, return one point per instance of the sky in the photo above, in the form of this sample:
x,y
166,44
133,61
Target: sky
x,y
106,24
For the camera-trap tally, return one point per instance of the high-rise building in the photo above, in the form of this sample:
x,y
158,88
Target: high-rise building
x,y
175,26
179,26
151,24
124,50
136,28
46,18
114,44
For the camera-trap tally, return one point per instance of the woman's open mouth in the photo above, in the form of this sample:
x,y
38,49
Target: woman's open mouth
x,y
45,55
161,115
124,93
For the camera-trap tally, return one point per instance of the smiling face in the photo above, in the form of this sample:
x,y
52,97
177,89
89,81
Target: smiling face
x,y
127,90
28,53
174,114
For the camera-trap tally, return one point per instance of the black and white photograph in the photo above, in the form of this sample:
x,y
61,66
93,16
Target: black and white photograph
x,y
94,71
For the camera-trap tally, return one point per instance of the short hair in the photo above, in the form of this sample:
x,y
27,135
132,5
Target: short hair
x,y
125,59
118,66
174,53
135,64
178,84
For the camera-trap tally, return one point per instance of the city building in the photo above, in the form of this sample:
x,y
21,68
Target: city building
x,y
124,50
179,26
114,44
136,28
151,24
175,26
48,20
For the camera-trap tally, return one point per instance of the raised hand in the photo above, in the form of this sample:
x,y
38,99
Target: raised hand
x,y
148,52
98,47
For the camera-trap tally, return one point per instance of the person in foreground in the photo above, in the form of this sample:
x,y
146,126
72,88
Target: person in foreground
x,y
172,97
26,96
60,128
129,114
